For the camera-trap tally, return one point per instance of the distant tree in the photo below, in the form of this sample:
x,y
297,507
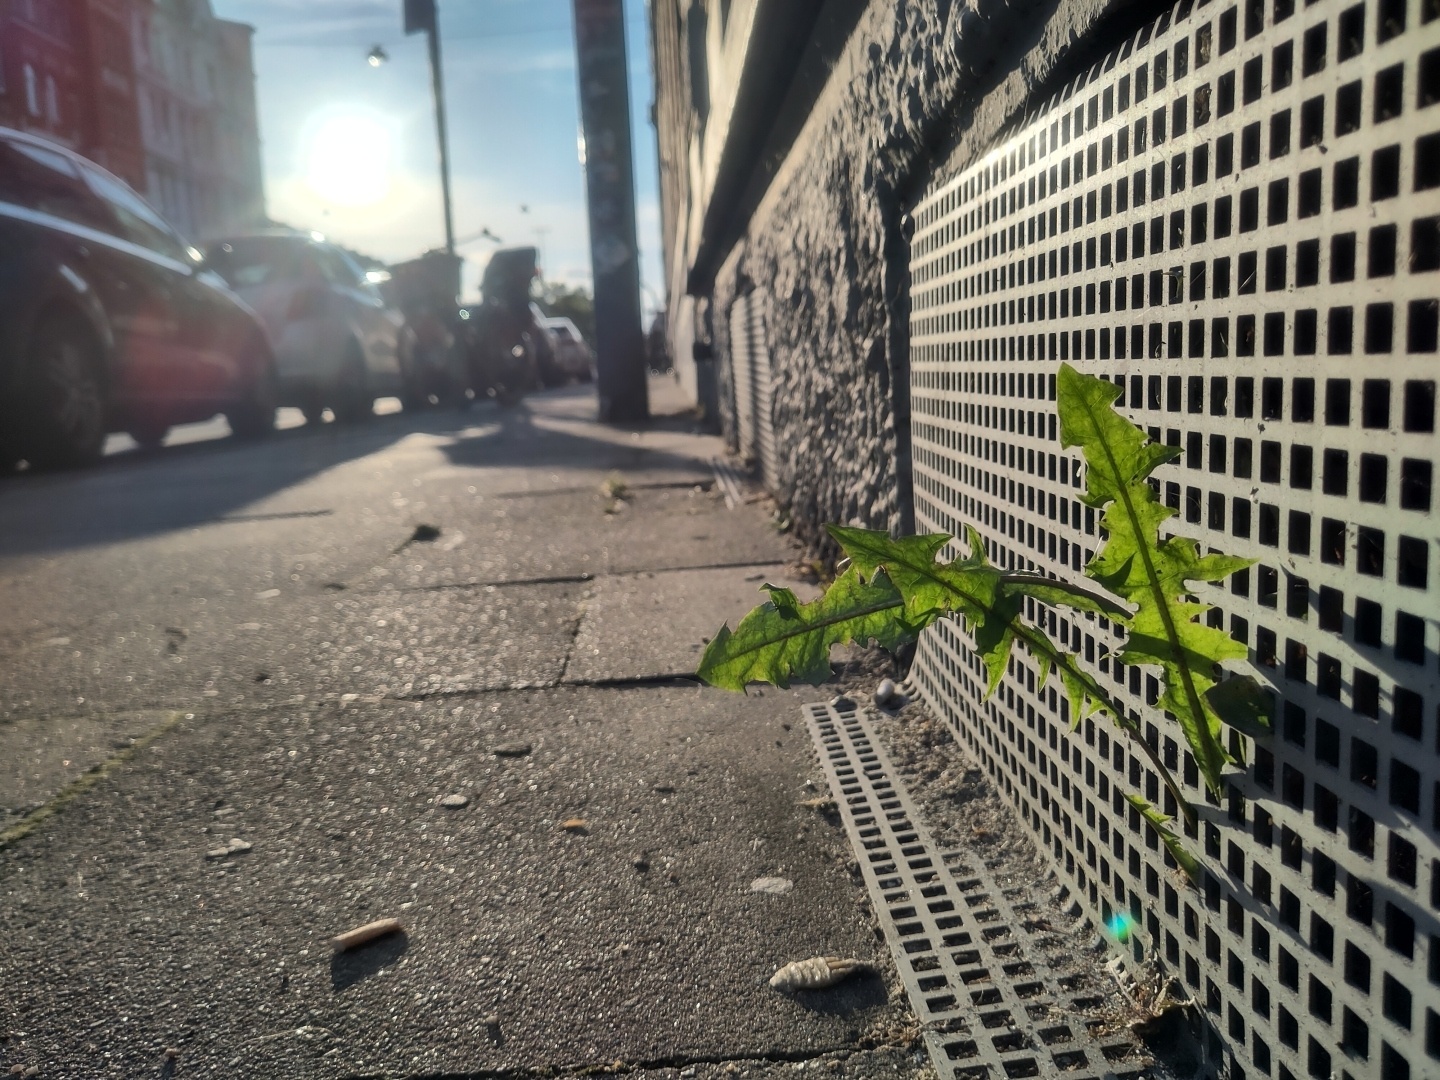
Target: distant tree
x,y
575,304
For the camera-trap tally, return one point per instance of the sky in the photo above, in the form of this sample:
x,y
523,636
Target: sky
x,y
349,149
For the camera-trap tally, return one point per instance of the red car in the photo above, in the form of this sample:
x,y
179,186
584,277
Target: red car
x,y
109,321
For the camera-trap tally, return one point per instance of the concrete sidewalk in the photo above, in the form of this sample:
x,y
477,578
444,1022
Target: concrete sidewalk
x,y
266,756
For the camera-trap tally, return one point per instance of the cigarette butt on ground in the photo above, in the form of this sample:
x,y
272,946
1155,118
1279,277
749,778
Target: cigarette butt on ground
x,y
361,934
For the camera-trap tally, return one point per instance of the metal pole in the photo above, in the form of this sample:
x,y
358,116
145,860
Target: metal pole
x,y
437,85
610,194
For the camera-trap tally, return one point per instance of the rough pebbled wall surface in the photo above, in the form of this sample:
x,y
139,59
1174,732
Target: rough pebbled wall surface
x,y
921,89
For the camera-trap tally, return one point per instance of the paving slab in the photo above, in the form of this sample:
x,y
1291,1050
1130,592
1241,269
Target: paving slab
x,y
41,757
274,644
663,530
573,533
633,937
657,623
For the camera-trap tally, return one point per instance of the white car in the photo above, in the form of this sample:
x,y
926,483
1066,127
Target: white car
x,y
336,342
572,356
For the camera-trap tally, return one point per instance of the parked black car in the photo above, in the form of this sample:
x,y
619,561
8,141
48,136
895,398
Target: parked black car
x,y
109,321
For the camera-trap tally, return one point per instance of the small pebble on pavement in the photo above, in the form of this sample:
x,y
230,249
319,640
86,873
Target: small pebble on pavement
x,y
776,886
455,802
234,847
352,939
512,749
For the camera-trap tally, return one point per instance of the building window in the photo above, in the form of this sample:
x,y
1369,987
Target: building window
x,y
32,92
52,101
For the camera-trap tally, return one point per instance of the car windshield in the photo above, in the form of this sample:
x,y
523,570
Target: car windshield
x,y
45,180
257,260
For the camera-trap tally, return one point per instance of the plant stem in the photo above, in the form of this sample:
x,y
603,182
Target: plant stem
x,y
1042,647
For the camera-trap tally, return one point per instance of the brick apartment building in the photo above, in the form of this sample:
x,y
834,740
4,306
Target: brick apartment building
x,y
160,92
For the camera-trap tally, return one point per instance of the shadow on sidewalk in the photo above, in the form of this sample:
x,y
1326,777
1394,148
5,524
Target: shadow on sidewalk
x,y
348,968
861,991
519,441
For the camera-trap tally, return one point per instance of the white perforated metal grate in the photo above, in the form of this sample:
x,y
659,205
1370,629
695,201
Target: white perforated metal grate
x,y
1236,218
742,376
750,363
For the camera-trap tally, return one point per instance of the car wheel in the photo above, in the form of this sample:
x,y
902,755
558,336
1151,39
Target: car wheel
x,y
413,395
65,408
551,374
150,436
351,400
312,407
254,416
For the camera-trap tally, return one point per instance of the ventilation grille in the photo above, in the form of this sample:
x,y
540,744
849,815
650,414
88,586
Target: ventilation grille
x,y
1236,218
750,363
741,373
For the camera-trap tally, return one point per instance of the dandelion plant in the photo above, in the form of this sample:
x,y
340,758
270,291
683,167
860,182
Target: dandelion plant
x,y
1139,580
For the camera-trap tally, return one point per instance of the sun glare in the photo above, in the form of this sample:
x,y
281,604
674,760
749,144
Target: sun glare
x,y
348,159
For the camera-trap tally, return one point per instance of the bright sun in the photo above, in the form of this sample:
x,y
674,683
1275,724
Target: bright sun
x,y
348,160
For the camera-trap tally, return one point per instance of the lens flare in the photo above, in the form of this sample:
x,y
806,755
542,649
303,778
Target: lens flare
x,y
348,159
1119,926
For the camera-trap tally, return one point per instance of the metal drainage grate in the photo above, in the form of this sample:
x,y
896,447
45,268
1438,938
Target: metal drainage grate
x,y
989,1003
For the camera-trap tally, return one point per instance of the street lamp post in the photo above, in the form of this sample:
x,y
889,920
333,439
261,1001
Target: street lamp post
x,y
610,193
421,15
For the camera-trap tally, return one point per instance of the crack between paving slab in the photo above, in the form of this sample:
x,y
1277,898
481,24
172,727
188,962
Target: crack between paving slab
x,y
687,678
679,679
570,645
668,485
84,782
557,579
582,578
278,515
617,1068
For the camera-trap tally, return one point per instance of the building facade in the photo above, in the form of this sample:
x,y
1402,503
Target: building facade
x,y
196,98
887,225
160,92
41,76
110,119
